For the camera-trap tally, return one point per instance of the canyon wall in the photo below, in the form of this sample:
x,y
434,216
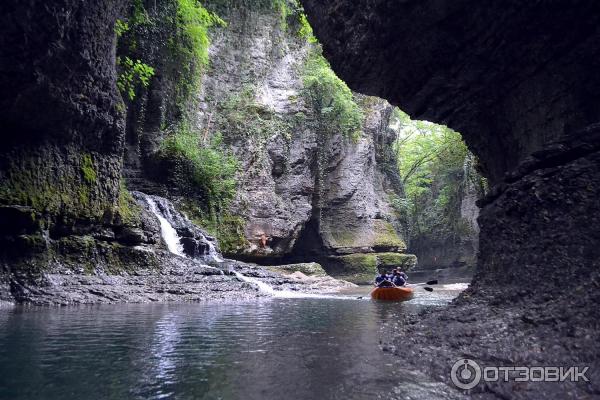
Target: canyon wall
x,y
309,193
62,120
519,81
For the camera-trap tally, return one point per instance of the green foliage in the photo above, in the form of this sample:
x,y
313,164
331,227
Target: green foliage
x,y
193,22
227,228
305,31
189,45
139,15
284,11
121,27
241,115
331,98
206,169
431,162
40,187
133,74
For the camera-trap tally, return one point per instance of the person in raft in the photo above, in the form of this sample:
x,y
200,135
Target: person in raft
x,y
400,278
383,280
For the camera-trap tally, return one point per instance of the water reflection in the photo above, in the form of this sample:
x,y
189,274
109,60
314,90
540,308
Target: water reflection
x,y
268,349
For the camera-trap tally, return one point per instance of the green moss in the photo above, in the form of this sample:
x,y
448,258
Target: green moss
x,y
353,263
241,115
120,258
331,98
37,189
362,268
84,195
311,269
305,31
127,208
396,260
228,229
87,169
386,236
206,170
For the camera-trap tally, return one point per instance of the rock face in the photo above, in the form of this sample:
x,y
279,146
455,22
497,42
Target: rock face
x,y
65,135
519,82
60,160
310,193
501,82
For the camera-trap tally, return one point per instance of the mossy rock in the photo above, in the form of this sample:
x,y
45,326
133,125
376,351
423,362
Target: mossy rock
x,y
386,237
311,269
396,260
379,236
356,268
359,262
361,268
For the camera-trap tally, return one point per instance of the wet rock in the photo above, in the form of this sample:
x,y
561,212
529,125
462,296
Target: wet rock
x,y
526,120
312,269
362,268
194,248
107,235
18,220
131,236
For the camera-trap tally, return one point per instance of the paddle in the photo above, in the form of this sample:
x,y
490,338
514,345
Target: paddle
x,y
429,289
432,282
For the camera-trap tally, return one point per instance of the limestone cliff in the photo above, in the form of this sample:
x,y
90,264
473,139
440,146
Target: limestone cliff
x,y
310,193
305,190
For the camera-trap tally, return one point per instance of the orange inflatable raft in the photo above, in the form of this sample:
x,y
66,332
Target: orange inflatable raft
x,y
392,293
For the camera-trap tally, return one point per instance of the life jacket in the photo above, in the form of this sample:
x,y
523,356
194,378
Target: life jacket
x,y
399,280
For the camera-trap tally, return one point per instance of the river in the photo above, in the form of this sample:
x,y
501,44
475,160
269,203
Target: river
x,y
278,348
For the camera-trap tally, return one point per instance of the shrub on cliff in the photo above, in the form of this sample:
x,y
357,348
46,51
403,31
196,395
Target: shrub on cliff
x,y
331,98
203,169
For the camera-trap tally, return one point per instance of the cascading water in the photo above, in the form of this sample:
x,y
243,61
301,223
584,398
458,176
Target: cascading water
x,y
263,287
285,294
167,231
213,253
169,218
174,245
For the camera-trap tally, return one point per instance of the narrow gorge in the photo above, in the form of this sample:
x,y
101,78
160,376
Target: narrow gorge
x,y
227,151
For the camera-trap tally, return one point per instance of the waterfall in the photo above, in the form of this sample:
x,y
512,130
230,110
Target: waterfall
x,y
212,251
263,287
167,231
170,219
172,239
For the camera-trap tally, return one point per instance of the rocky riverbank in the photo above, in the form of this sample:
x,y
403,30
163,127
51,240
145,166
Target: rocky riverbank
x,y
178,279
176,261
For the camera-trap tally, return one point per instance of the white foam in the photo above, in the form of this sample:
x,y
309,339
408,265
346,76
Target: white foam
x,y
168,233
287,294
455,286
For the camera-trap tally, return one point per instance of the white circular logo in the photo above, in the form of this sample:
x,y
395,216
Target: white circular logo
x,y
465,374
